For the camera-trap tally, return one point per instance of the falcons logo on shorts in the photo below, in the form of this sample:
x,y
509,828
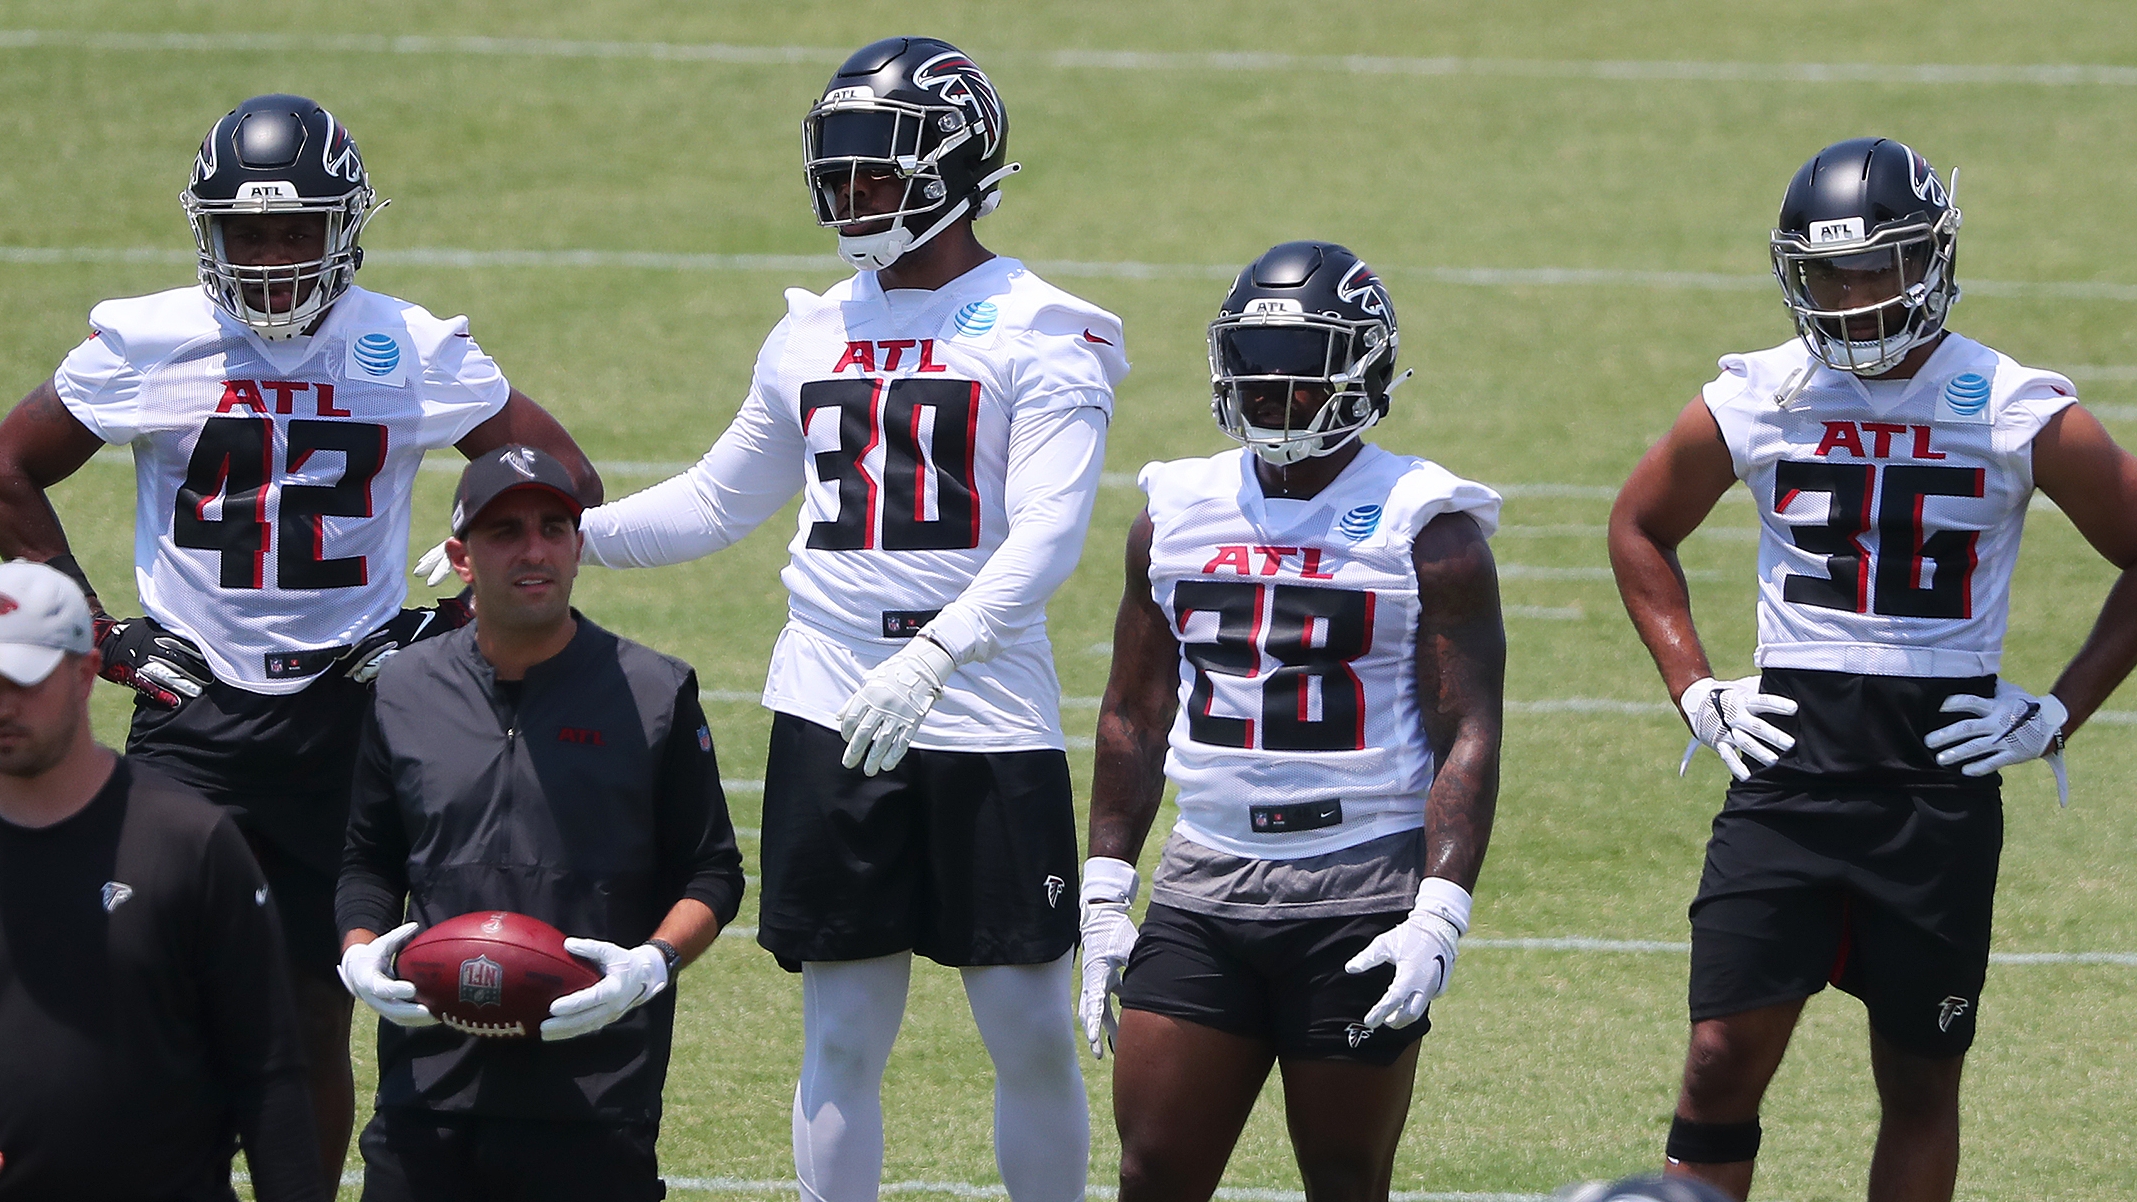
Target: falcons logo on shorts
x,y
1357,1033
1949,1009
1053,886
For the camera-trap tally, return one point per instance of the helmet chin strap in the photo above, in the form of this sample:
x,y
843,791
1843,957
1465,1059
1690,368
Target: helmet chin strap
x,y
874,252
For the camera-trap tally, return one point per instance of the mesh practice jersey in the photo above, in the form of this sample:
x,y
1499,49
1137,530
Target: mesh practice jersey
x,y
947,444
1297,623
272,479
1889,513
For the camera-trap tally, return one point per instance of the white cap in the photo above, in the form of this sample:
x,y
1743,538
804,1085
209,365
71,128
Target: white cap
x,y
43,616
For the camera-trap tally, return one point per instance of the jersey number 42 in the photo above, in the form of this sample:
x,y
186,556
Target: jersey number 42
x,y
234,461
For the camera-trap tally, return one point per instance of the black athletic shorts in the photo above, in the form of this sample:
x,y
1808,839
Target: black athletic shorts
x,y
967,858
1276,980
432,1156
282,765
1880,879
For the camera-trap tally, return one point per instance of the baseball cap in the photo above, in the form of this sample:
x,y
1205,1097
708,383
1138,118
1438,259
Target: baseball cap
x,y
495,473
43,616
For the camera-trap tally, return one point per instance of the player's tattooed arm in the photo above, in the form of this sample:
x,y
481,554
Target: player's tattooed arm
x,y
1128,780
2094,482
1670,493
522,422
40,445
1461,681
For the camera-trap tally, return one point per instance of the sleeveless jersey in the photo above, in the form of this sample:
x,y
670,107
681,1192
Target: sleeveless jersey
x,y
272,480
904,402
1297,623
1890,512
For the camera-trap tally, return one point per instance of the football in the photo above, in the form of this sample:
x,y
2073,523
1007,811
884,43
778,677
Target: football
x,y
492,972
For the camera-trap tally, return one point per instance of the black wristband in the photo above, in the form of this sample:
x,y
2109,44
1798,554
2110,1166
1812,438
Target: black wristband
x,y
668,953
66,564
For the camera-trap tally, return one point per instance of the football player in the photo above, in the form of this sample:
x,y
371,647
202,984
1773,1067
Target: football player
x,y
943,414
1310,647
277,414
1891,461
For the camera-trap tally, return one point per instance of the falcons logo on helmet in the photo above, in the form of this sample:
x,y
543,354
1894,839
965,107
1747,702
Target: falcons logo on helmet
x,y
1923,179
340,157
1362,288
961,83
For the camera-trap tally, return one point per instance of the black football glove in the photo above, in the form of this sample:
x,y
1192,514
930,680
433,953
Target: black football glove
x,y
159,665
409,626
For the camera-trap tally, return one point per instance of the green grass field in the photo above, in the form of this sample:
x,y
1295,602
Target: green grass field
x,y
1570,203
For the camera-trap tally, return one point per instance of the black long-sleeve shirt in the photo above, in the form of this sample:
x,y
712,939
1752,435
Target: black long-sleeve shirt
x,y
588,796
145,1013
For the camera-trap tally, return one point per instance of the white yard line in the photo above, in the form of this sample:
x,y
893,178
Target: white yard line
x,y
1481,277
1605,70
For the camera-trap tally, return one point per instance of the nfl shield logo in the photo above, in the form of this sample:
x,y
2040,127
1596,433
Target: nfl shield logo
x,y
482,982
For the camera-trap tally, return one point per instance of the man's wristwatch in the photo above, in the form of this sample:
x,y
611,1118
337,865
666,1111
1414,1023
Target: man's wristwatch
x,y
669,956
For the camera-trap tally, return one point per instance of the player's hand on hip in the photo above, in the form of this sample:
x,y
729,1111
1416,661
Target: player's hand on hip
x,y
2010,728
164,667
1726,715
1108,936
434,566
362,662
1422,949
878,721
630,977
366,972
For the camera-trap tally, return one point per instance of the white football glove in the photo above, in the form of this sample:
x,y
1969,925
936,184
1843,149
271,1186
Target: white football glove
x,y
630,977
1422,949
2010,728
879,719
434,567
1725,716
1109,887
364,972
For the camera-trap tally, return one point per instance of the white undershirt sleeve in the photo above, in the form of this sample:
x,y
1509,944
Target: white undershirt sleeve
x,y
754,468
1055,458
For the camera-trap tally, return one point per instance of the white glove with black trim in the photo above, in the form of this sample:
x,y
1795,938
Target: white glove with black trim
x,y
365,973
1422,949
1724,715
1109,888
2010,728
879,719
435,565
630,977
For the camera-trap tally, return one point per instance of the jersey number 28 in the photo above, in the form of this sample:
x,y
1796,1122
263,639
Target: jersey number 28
x,y
1312,633
234,460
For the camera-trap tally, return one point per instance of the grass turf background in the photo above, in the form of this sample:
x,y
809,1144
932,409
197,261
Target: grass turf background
x,y
1546,1066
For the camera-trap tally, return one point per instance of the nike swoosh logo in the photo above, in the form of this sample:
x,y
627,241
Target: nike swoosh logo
x,y
1088,336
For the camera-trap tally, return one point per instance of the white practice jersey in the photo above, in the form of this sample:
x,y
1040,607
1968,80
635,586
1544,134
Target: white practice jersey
x,y
1889,511
1297,623
272,479
947,446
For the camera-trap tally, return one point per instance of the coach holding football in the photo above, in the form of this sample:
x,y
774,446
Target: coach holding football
x,y
531,762
145,1014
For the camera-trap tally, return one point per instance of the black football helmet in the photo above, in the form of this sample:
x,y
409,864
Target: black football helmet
x,y
1654,1187
279,154
1304,314
919,110
1864,251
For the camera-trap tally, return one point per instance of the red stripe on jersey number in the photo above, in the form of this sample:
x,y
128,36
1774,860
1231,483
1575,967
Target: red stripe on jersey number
x,y
233,461
1312,633
929,430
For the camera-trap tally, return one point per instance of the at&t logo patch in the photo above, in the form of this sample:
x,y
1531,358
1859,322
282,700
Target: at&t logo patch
x,y
1359,524
374,356
1965,399
976,318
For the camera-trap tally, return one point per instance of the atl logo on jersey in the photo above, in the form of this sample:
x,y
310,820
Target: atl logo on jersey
x,y
863,355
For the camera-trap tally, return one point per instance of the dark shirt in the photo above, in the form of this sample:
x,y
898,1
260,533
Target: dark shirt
x,y
145,1013
590,800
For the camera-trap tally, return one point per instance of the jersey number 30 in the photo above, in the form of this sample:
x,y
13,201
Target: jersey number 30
x,y
1312,633
234,460
1919,573
927,429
